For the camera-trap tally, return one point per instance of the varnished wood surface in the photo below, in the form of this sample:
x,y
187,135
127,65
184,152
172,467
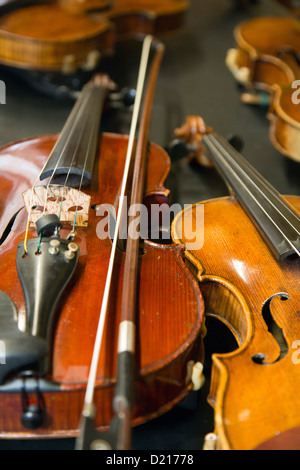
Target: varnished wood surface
x,y
193,79
238,274
46,37
65,36
170,307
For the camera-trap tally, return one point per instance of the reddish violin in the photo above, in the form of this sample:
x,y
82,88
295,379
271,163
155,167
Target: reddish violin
x,y
248,267
266,62
101,331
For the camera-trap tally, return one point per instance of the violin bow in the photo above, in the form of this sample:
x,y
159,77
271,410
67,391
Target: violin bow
x,y
118,436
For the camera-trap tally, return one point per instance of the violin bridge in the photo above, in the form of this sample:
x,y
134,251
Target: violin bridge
x,y
67,203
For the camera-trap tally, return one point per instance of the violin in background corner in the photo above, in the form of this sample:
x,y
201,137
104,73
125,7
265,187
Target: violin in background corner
x,y
266,63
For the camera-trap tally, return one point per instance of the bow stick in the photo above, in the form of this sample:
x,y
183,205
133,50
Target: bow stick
x,y
118,435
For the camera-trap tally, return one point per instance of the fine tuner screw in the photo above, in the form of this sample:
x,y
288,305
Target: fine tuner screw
x,y
72,249
54,247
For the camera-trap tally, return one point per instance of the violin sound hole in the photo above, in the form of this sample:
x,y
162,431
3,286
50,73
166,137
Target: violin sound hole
x,y
275,331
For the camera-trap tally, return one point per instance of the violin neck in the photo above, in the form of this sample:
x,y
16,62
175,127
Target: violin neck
x,y
75,150
278,224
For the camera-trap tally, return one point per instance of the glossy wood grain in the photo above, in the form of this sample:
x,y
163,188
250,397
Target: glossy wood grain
x,y
237,275
69,35
170,306
53,37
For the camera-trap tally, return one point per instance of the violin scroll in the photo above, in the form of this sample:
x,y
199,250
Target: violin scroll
x,y
189,141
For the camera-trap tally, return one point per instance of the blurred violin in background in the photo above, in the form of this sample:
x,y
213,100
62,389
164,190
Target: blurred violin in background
x,y
266,62
248,270
67,38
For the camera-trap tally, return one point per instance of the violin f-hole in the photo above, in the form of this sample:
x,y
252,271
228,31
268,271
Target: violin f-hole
x,y
275,331
8,228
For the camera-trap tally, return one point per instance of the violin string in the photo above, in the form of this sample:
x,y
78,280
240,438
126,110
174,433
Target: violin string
x,y
91,136
66,180
221,155
223,144
259,317
265,183
31,202
75,112
70,135
99,334
74,153
89,146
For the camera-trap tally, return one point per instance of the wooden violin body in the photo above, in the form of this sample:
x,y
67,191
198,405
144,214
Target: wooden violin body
x,y
54,37
238,277
169,323
69,36
251,284
266,60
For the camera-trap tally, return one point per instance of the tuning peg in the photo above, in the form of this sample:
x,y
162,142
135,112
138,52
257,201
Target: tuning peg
x,y
124,98
236,141
178,149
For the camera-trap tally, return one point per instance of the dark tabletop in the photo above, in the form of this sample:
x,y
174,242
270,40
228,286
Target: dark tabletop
x,y
193,80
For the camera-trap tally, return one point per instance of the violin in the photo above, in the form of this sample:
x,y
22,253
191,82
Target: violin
x,y
266,62
67,36
103,329
132,18
55,37
248,268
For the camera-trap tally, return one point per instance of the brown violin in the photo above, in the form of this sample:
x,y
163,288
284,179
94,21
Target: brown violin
x,y
67,36
132,18
266,62
248,267
103,328
55,37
